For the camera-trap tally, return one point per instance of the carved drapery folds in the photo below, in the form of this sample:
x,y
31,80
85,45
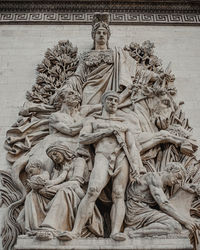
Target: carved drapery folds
x,y
101,128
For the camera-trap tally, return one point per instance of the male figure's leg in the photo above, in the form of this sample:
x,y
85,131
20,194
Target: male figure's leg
x,y
98,180
118,207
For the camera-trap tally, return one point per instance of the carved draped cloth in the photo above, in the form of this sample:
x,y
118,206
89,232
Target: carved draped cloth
x,y
59,213
99,71
141,210
139,214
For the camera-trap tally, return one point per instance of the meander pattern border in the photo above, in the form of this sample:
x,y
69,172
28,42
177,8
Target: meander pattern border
x,y
86,18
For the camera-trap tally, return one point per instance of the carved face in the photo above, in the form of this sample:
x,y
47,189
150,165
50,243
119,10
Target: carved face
x,y
173,178
56,157
111,104
33,170
165,101
162,111
101,36
71,98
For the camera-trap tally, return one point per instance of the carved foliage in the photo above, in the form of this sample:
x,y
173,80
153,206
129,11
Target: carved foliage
x,y
163,83
59,63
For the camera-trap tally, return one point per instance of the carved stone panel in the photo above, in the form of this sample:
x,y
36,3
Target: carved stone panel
x,y
102,153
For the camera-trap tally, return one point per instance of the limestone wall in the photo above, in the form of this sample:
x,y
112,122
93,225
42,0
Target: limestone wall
x,y
22,47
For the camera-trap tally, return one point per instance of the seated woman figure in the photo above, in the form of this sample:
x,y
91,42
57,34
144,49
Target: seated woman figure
x,y
43,188
66,195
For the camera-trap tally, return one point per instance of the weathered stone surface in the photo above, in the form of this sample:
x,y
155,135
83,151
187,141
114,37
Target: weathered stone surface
x,y
123,12
182,243
184,146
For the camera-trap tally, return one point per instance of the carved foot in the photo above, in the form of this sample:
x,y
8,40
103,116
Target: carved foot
x,y
118,236
44,235
67,236
146,233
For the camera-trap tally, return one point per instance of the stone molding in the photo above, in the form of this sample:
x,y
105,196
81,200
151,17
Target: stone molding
x,y
156,243
121,12
83,18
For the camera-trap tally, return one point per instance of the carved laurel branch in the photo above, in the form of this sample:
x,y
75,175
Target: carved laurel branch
x,y
144,54
58,64
178,124
146,59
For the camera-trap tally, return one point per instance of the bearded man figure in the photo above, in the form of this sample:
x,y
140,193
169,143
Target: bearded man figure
x,y
149,211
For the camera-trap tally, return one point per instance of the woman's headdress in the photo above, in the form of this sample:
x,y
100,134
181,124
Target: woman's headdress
x,y
100,20
63,149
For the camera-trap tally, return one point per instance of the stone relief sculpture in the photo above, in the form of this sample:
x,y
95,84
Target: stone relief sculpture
x,y
101,128
58,198
142,217
110,161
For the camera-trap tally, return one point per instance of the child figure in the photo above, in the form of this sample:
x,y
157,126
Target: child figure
x,y
37,176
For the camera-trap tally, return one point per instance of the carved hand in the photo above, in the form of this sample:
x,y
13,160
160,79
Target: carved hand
x,y
162,122
191,188
36,183
120,128
109,131
164,134
47,192
191,225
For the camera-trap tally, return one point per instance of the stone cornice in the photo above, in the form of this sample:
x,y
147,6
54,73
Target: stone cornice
x,y
182,12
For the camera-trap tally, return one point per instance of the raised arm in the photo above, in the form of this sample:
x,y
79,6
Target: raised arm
x,y
76,81
150,140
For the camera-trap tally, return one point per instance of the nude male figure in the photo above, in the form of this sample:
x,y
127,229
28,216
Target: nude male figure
x,y
110,162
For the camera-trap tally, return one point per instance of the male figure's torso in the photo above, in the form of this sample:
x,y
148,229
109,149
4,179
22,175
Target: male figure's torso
x,y
108,144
